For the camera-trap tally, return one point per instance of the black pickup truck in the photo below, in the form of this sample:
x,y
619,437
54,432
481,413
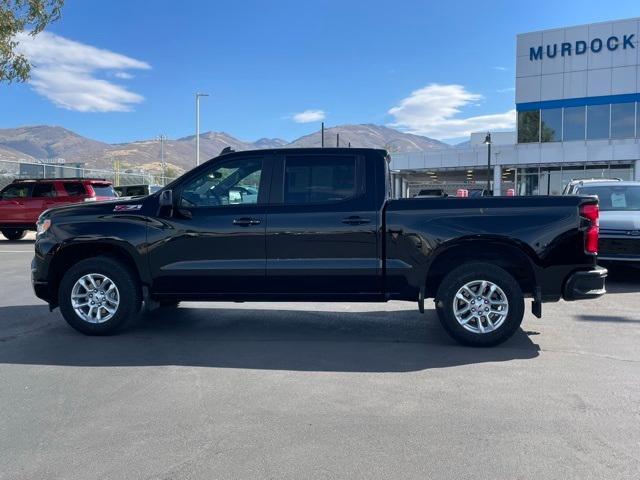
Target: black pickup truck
x,y
316,225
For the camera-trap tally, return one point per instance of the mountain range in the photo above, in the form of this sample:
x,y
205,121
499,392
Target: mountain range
x,y
36,143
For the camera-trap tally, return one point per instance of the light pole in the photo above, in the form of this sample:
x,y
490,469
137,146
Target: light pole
x,y
487,140
162,164
198,95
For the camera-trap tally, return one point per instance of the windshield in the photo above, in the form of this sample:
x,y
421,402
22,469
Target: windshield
x,y
615,198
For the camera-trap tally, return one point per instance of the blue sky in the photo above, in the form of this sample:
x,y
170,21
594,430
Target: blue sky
x,y
124,70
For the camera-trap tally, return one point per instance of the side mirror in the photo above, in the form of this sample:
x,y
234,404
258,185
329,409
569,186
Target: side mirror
x,y
235,196
166,198
165,203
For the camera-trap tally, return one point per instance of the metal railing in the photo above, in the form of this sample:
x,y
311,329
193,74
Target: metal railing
x,y
11,170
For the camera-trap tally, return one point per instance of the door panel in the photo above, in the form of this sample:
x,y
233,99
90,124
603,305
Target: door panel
x,y
42,197
320,239
14,203
214,243
211,252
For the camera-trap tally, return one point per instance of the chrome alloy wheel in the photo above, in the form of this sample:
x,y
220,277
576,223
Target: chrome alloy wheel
x,y
95,298
480,306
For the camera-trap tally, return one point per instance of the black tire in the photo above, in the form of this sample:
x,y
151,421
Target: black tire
x,y
14,234
465,274
128,288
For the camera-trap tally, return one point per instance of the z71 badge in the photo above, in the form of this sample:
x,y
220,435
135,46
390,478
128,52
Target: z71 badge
x,y
126,208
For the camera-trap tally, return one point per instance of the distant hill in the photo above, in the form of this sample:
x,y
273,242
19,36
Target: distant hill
x,y
46,142
269,143
370,136
42,142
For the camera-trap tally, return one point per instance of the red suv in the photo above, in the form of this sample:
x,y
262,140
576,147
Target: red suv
x,y
22,201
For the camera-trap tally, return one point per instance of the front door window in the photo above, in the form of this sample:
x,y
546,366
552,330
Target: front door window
x,y
236,182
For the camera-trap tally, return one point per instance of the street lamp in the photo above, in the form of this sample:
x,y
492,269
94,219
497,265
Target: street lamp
x,y
487,141
198,95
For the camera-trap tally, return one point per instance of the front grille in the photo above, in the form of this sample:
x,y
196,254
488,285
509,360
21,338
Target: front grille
x,y
619,246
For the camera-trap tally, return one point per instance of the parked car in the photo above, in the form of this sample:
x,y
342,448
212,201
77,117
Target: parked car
x,y
478,192
136,190
431,192
22,201
619,219
572,187
322,227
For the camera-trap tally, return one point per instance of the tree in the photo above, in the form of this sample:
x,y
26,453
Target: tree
x,y
16,16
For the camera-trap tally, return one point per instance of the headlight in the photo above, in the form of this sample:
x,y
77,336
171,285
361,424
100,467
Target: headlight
x,y
42,226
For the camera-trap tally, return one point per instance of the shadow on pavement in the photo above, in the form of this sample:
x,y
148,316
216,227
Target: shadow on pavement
x,y
24,241
608,318
379,341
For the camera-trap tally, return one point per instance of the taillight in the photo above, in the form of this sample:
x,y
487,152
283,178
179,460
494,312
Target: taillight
x,y
592,213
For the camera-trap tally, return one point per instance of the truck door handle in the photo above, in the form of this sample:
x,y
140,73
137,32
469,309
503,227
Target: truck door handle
x,y
246,221
355,220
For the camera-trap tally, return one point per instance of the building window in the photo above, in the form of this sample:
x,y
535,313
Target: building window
x,y
598,117
551,125
529,126
623,119
573,126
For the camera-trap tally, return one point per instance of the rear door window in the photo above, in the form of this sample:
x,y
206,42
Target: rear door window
x,y
74,189
319,179
43,190
103,190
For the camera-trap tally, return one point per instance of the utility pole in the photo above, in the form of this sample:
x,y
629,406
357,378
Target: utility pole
x,y
198,95
164,177
322,135
338,140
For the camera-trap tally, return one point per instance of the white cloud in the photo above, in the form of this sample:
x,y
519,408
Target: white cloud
x,y
433,111
64,71
309,116
500,69
123,75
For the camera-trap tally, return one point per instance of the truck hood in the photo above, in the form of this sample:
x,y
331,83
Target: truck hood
x,y
122,205
618,220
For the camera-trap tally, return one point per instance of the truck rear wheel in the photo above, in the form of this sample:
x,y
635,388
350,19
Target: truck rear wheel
x,y
98,296
14,233
480,305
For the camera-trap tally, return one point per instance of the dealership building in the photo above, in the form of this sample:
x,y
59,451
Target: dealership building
x,y
577,93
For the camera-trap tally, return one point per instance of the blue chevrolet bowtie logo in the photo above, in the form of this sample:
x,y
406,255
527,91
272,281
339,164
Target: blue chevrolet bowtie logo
x,y
566,49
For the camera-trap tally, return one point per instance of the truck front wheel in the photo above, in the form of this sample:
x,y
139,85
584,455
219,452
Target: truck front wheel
x,y
98,296
480,304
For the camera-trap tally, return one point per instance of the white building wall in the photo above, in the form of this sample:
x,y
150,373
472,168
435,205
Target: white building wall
x,y
548,79
576,76
592,151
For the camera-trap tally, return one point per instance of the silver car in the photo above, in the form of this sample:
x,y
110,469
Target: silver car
x,y
619,219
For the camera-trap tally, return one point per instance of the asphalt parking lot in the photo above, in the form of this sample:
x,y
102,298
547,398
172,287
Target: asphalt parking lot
x,y
317,391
